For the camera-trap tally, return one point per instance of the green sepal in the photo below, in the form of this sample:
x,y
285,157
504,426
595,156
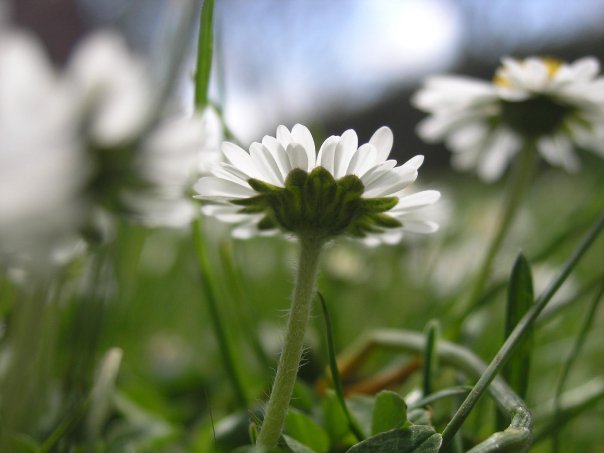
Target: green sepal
x,y
251,201
296,178
385,221
262,186
378,204
267,224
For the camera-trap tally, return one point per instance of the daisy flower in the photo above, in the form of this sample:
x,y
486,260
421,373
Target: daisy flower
x,y
176,152
114,90
42,171
284,184
540,102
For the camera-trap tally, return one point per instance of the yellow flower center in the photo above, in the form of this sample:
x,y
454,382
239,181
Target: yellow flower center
x,y
551,64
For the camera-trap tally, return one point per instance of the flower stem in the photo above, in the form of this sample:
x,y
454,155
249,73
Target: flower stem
x,y
289,362
516,189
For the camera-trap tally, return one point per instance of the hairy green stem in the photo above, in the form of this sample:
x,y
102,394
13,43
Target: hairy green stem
x,y
289,362
518,183
519,333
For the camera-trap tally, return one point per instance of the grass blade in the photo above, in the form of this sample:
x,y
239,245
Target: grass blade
x,y
335,374
210,296
205,44
430,356
520,299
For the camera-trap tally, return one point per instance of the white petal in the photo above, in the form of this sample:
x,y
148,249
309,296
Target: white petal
x,y
558,151
390,182
279,154
344,151
211,187
375,172
225,213
246,231
584,69
416,200
392,237
382,139
240,159
284,136
228,171
297,156
362,160
499,151
302,135
266,164
415,162
420,226
326,154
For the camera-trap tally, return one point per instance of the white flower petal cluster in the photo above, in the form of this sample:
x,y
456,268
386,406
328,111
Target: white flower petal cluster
x,y
557,106
272,161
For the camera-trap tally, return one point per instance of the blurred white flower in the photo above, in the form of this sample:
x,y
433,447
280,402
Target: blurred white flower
x,y
80,141
113,87
42,171
282,183
169,159
485,124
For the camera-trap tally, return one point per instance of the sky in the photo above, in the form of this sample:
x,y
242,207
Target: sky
x,y
287,61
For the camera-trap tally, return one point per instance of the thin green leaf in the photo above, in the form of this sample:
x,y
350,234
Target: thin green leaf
x,y
335,374
414,439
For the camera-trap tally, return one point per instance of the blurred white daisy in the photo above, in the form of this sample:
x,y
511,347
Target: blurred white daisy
x,y
283,184
42,171
177,151
113,88
554,105
84,139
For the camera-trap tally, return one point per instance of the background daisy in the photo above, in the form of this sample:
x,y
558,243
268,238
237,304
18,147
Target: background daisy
x,y
538,102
